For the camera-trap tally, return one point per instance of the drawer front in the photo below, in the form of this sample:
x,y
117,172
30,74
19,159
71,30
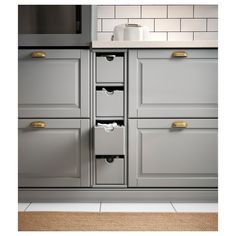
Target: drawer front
x,y
54,86
110,69
164,86
162,156
56,155
109,104
109,173
109,142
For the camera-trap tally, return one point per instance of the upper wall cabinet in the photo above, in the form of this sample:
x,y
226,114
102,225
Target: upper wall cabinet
x,y
53,83
173,83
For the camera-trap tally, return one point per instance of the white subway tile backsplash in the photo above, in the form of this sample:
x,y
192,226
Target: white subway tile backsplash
x,y
154,11
180,36
105,11
109,24
144,22
208,11
205,35
180,11
128,11
193,25
158,36
212,24
167,24
102,36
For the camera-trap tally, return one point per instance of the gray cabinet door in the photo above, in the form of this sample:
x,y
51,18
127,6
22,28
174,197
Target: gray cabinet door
x,y
56,85
161,156
56,155
164,86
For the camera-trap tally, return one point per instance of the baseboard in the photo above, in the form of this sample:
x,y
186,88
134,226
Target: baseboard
x,y
118,195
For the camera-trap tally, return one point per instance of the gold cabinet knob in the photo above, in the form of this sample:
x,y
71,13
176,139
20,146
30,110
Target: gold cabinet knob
x,y
38,124
179,124
179,54
38,54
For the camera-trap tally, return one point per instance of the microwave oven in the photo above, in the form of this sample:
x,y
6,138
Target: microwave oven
x,y
56,25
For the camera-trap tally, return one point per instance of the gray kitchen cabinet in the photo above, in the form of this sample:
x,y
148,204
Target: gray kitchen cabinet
x,y
54,83
163,155
172,83
54,153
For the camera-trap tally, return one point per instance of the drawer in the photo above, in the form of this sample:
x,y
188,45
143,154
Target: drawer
x,y
53,83
173,153
53,153
109,142
109,103
110,68
163,86
109,171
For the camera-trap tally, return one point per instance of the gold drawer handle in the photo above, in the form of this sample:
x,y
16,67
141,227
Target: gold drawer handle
x,y
179,124
179,54
38,54
38,124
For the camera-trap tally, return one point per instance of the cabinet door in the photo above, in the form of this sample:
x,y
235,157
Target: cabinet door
x,y
161,85
161,156
53,83
54,156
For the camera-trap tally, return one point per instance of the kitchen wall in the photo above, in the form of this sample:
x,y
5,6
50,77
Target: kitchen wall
x,y
166,22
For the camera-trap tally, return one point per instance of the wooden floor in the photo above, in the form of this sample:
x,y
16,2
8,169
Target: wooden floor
x,y
117,221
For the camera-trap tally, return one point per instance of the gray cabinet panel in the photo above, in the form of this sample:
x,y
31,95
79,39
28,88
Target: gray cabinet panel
x,y
109,104
54,156
54,86
161,156
162,86
109,173
109,142
110,71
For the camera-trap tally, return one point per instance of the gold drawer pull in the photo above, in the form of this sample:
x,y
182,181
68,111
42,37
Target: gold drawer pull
x,y
38,54
38,124
179,124
179,54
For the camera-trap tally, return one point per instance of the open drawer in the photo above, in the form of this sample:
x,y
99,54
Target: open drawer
x,y
109,142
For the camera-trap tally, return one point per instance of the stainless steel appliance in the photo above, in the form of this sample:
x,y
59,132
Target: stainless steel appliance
x,y
56,25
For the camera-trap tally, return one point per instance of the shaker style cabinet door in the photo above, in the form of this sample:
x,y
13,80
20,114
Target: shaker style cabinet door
x,y
172,83
54,153
173,153
53,83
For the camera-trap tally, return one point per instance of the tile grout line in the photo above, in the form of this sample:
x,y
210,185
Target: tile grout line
x,y
100,207
173,206
27,207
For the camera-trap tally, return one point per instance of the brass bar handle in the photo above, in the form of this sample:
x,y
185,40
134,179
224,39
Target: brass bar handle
x,y
38,124
179,54
38,54
179,124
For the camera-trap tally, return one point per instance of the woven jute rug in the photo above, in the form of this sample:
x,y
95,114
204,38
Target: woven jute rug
x,y
115,221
